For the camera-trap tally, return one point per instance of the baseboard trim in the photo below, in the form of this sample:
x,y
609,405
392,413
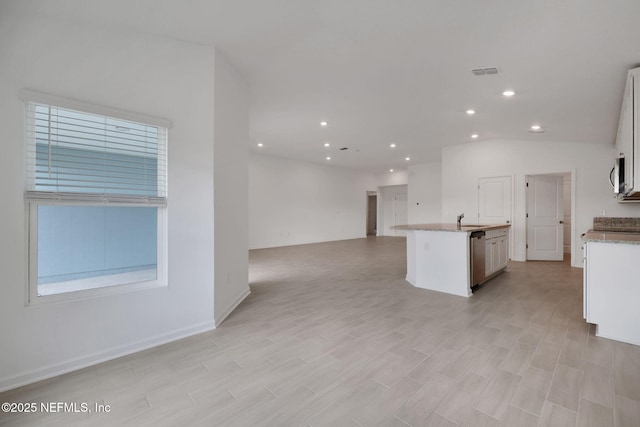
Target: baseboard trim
x,y
616,338
57,369
312,242
219,319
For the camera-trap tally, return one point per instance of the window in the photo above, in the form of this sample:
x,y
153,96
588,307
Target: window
x,y
96,188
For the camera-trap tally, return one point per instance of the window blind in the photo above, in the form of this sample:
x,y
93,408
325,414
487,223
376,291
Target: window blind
x,y
77,156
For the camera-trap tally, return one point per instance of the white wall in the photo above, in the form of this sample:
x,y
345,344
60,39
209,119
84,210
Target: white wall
x,y
231,177
387,210
462,165
425,193
138,73
293,202
392,178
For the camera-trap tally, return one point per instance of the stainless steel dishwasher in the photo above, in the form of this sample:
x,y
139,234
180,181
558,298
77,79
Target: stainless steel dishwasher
x,y
477,257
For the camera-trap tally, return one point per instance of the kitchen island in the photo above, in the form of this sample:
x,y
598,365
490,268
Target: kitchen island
x,y
439,256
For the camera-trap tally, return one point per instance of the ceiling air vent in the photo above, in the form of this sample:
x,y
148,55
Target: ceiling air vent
x,y
485,71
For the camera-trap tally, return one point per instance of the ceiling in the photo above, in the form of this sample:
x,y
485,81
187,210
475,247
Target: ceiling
x,y
399,71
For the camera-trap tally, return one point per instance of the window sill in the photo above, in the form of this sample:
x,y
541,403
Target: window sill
x,y
97,282
95,287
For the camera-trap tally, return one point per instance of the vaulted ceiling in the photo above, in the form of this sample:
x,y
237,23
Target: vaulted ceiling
x,y
399,71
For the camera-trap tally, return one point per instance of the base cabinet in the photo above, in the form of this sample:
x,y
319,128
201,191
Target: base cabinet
x,y
503,258
496,251
611,291
489,265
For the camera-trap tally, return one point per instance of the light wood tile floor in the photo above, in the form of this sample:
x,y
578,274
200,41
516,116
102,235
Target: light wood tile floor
x,y
332,335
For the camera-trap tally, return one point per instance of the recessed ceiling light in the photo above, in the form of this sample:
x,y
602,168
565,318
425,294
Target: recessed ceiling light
x,y
471,112
392,145
390,170
260,144
407,158
474,136
326,144
535,127
323,123
328,158
508,93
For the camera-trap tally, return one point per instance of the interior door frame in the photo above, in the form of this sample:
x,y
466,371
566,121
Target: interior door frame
x,y
575,257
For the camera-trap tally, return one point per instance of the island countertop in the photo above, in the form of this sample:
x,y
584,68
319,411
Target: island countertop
x,y
451,227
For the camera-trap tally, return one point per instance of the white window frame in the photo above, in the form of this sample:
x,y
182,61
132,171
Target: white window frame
x,y
31,213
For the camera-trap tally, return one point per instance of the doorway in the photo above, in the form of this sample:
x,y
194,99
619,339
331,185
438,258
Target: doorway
x,y
372,213
548,216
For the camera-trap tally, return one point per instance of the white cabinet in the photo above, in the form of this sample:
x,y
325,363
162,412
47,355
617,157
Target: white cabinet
x,y
585,280
628,137
496,250
611,290
489,267
503,258
624,139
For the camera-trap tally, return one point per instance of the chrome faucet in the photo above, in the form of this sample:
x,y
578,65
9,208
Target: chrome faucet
x,y
460,219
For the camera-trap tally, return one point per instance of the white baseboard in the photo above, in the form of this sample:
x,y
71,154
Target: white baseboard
x,y
578,265
219,319
628,340
310,242
54,370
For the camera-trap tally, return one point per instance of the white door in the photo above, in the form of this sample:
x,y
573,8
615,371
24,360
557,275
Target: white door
x,y
400,213
494,202
545,211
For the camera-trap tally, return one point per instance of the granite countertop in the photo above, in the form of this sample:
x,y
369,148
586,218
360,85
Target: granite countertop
x,y
612,237
451,227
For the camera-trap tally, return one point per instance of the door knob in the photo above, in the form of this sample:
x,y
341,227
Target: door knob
x,y
508,222
561,222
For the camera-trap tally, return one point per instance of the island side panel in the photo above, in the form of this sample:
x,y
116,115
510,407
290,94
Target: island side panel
x,y
439,261
613,297
411,257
